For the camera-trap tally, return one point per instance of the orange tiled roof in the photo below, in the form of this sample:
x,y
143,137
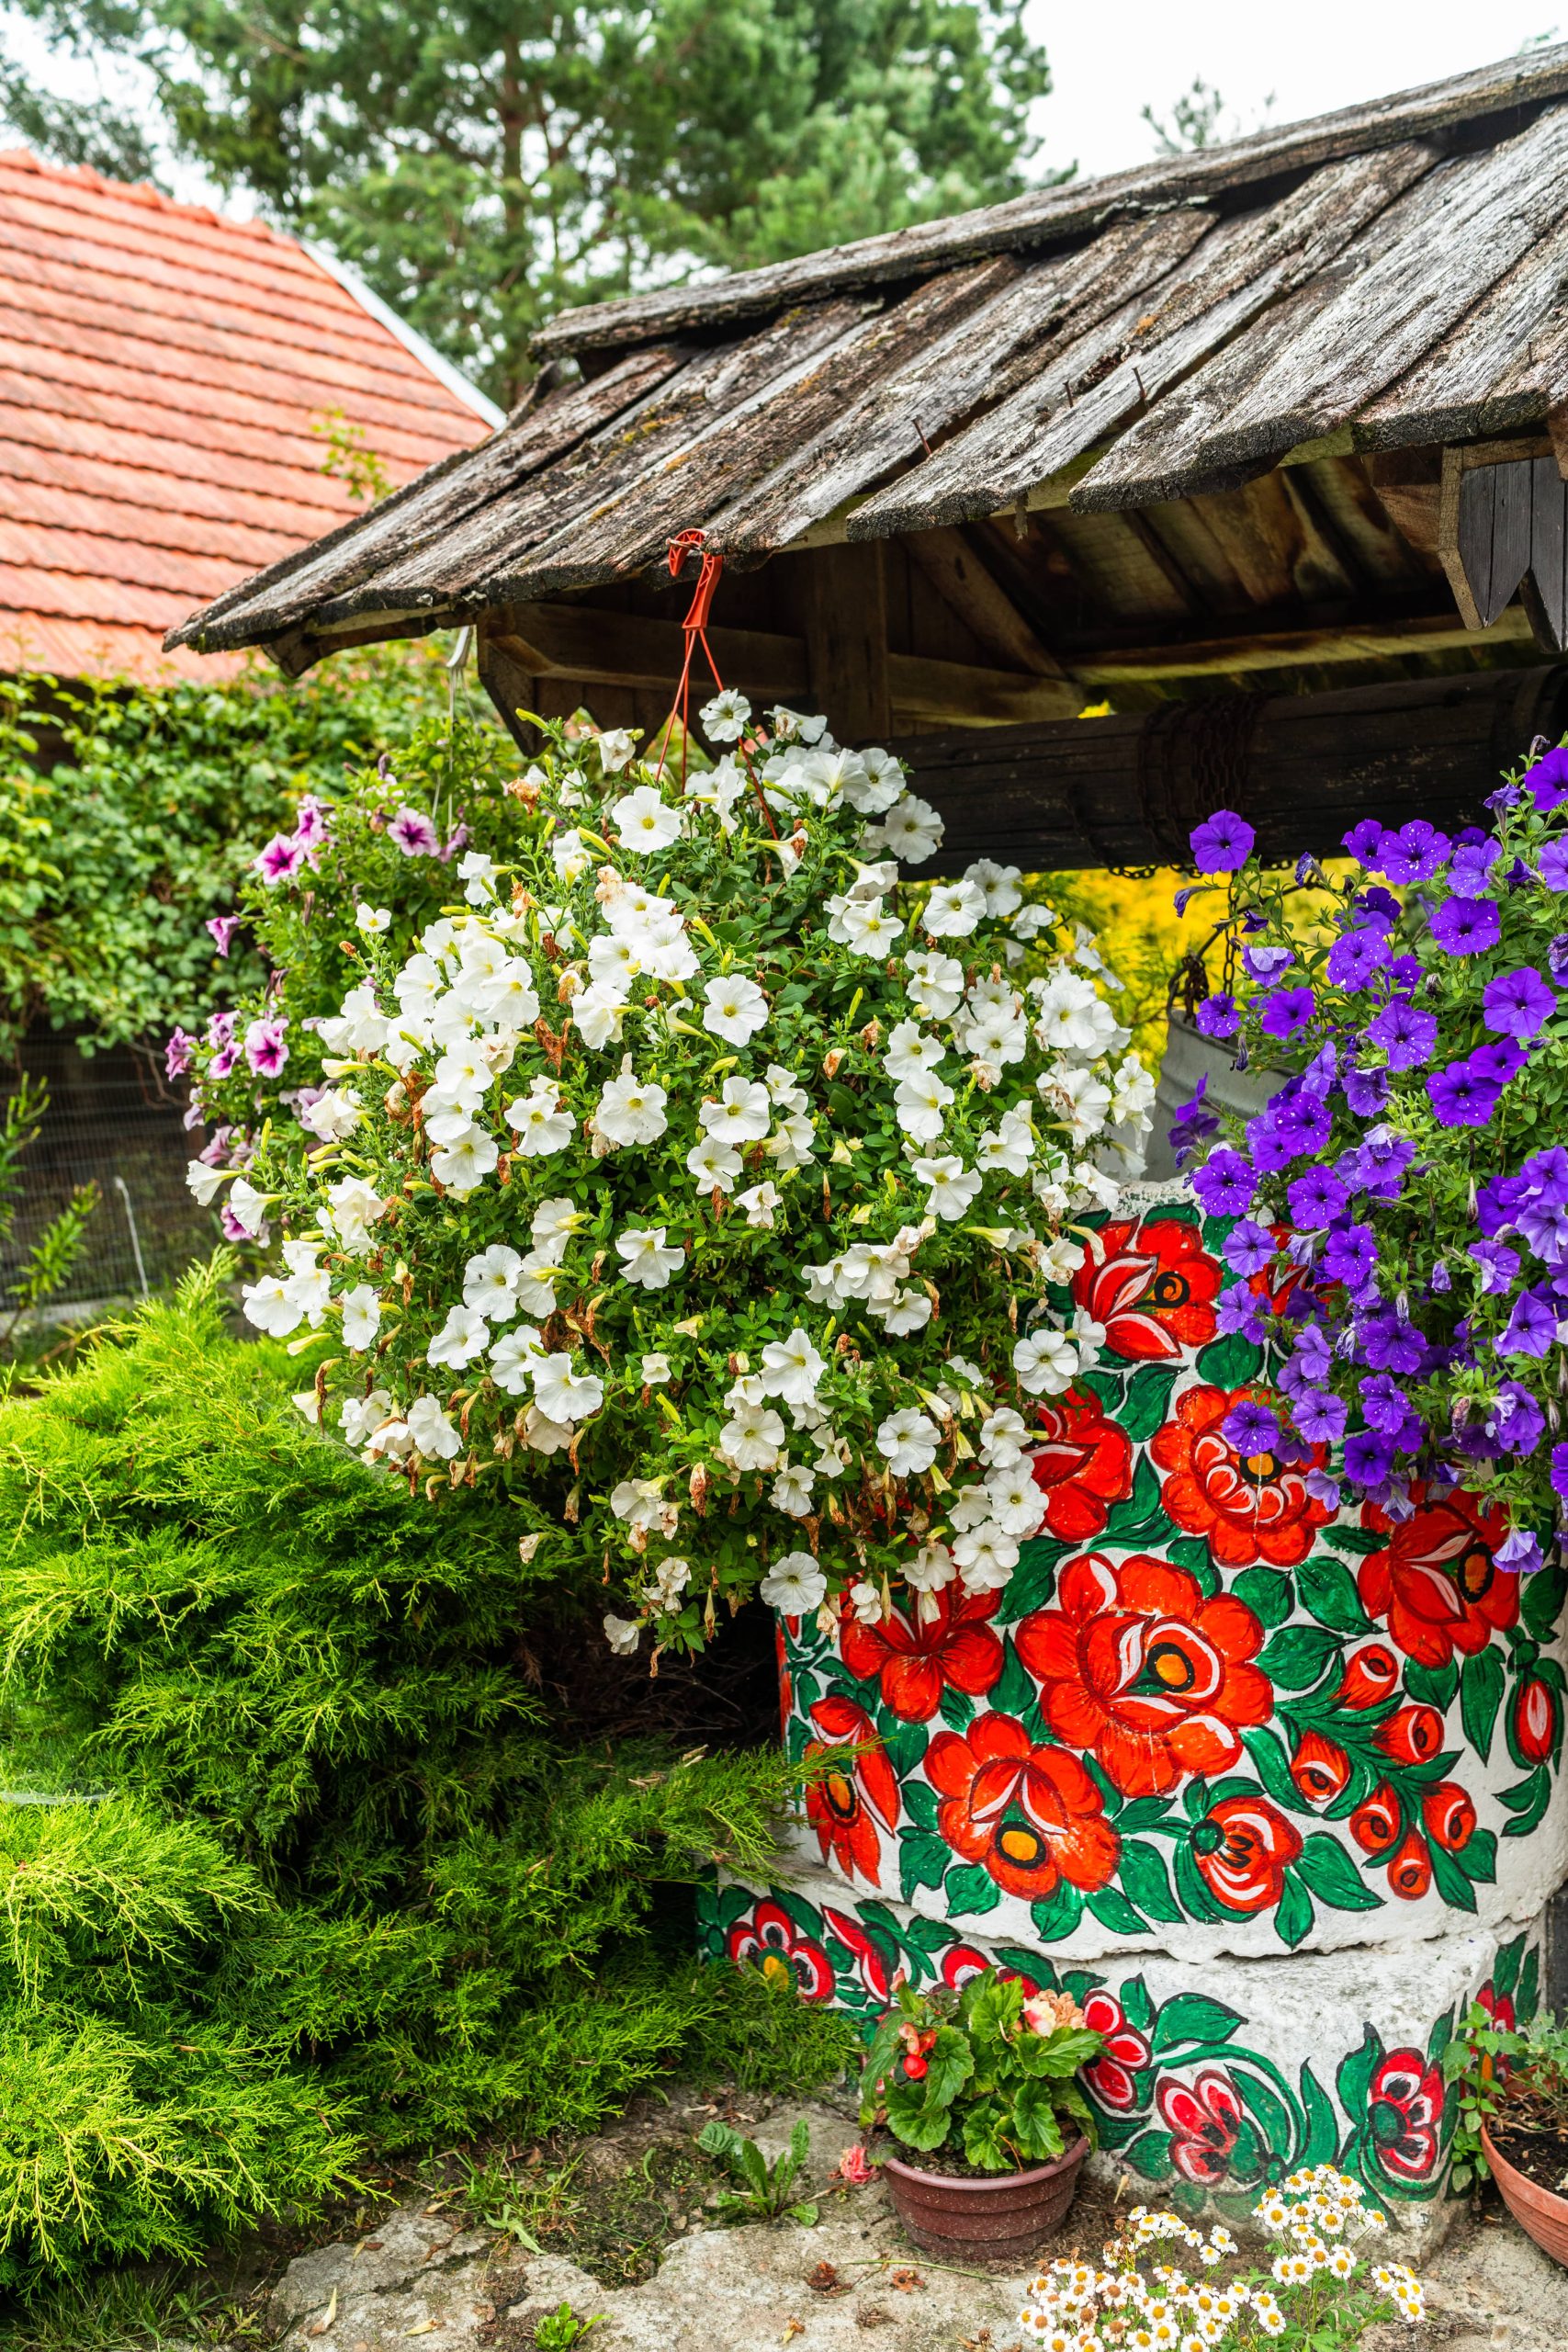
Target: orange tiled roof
x,y
160,370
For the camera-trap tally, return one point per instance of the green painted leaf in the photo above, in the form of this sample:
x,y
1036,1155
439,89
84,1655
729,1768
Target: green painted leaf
x,y
972,1890
1146,1882
1057,1915
1141,1813
1145,1402
1149,2155
1541,1598
1534,1809
1480,1696
1230,1362
922,1862
1450,1881
1297,1657
1192,1551
1113,1911
920,1804
1506,1967
1329,1593
957,1708
1266,1750
1141,1509
1272,2116
1137,2004
1527,1999
1268,1593
1356,2071
1433,1686
1359,1540
1014,1693
1322,2140
1293,1919
1193,2016
1327,1870
1196,1900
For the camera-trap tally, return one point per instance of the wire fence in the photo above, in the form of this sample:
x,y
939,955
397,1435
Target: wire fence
x,y
112,1120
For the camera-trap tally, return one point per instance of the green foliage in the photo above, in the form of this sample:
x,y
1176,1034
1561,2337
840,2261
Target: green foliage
x,y
291,1858
112,862
1503,2074
766,2191
485,166
560,2329
763,2037
984,2068
55,1250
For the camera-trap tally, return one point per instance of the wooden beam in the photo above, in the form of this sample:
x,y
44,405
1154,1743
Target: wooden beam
x,y
630,650
845,600
960,694
1290,649
981,603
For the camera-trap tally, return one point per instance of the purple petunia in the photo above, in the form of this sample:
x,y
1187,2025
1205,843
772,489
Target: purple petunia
x,y
1357,956
223,928
1320,1415
1517,1003
1531,1327
1270,1150
1405,1036
1284,1012
1250,1428
1460,1096
1218,1016
1516,1419
1302,1122
1192,1124
1268,963
1248,1248
1548,781
1390,1342
1224,1184
279,861
1471,863
1351,1256
1498,1265
1317,1198
1366,1092
1559,1470
1412,854
1467,926
1223,843
1499,1061
1367,1459
1364,841
414,834
1519,1551
266,1050
1552,866
177,1053
1238,1314
1382,1404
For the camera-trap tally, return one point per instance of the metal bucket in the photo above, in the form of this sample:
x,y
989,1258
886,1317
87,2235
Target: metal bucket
x,y
1189,1058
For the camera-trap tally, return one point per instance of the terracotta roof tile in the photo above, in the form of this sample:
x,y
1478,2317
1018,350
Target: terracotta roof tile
x,y
161,369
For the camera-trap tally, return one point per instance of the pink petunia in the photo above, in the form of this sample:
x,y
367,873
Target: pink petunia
x,y
264,1047
177,1053
223,928
280,861
414,834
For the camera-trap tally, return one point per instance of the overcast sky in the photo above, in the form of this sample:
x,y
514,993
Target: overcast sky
x,y
1110,58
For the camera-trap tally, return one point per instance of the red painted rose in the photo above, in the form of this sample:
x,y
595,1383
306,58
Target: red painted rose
x,y
1449,1813
1370,1674
1320,1767
1375,1824
1411,1736
1243,1846
1154,1290
1535,1721
1031,1816
962,1961
1410,1867
871,1961
1082,1463
1438,1585
1404,2109
1138,1665
914,1662
1250,1509
1204,2119
1112,2077
770,1940
841,1801
1498,2006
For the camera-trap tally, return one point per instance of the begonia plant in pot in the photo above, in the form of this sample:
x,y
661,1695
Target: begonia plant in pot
x,y
1399,1207
693,1176
980,2085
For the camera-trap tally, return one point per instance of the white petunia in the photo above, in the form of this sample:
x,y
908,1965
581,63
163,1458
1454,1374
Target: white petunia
x,y
1031,920
353,1205
1003,1439
631,1109
570,854
247,1208
1071,1016
734,1009
373,919
865,1600
930,1569
712,1165
870,929
360,1416
1080,1098
1045,1363
792,1142
997,884
1007,1149
654,1368
646,820
911,830
204,1180
909,1442
985,1558
335,1113
431,1431
792,1490
646,1261
623,1635
668,1581
795,1586
361,1316
597,1015
563,1395
513,1358
463,1335
540,1121
921,1107
787,1095
723,720
752,1437
477,873
936,983
953,911
953,1188
271,1306
615,746
463,1164
742,1114
545,1435
792,1368
760,1202
306,1402
1018,1504
489,1283
910,1310
1134,1092
911,1053
554,1222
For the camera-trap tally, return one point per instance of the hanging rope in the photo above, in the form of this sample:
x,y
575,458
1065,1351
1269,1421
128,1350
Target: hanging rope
x,y
695,627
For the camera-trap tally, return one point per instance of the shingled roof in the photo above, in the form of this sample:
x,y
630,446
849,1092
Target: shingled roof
x,y
160,371
1389,276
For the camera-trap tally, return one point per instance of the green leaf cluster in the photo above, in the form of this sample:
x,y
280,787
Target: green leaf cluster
x,y
767,2191
293,1860
973,2068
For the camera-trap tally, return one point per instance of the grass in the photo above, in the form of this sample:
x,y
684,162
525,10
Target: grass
x,y
132,2311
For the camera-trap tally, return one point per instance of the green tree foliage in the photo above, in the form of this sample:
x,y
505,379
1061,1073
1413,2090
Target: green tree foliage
x,y
484,163
291,1859
113,855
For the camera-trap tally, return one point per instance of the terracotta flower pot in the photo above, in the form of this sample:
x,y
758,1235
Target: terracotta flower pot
x,y
1001,2216
1541,2213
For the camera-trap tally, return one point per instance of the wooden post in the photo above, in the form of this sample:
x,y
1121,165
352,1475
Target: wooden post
x,y
846,639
